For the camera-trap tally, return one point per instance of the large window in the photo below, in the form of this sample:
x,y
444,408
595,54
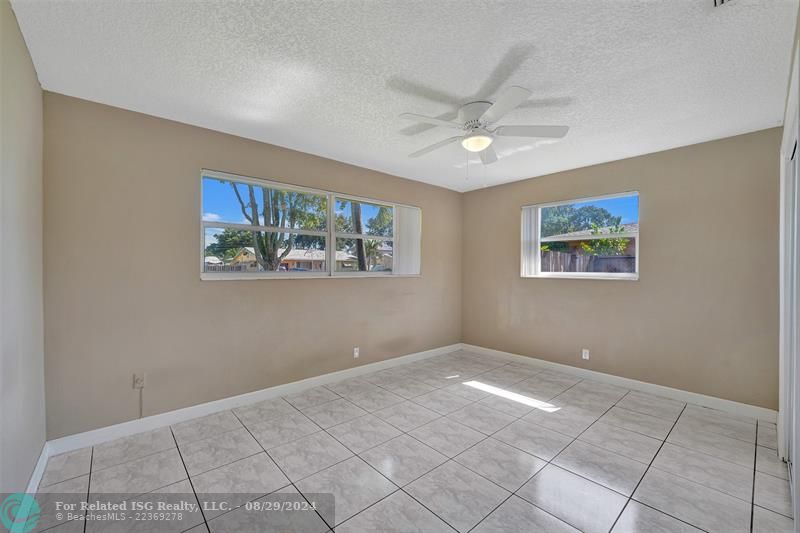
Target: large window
x,y
586,238
260,229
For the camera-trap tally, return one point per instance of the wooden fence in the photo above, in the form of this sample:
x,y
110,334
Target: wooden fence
x,y
229,268
553,261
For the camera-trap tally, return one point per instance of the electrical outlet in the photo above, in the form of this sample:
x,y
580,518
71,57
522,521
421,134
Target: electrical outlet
x,y
139,381
585,353
355,352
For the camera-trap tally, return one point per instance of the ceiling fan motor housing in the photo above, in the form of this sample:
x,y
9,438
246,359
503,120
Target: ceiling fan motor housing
x,y
475,119
468,114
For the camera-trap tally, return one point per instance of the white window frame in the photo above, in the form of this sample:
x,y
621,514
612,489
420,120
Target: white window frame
x,y
336,235
531,242
329,233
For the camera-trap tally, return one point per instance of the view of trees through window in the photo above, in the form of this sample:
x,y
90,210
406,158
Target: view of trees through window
x,y
254,228
358,221
598,235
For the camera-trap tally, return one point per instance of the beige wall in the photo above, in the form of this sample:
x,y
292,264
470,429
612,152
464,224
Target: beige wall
x,y
123,292
22,419
704,315
123,289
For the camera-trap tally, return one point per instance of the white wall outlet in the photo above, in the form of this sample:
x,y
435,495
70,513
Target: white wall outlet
x,y
139,381
585,353
355,352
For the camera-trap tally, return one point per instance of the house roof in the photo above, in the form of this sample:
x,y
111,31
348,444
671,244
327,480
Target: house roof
x,y
307,255
628,229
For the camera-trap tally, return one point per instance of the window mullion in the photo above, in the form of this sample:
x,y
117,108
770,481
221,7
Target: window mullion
x,y
537,246
269,229
330,249
363,236
385,257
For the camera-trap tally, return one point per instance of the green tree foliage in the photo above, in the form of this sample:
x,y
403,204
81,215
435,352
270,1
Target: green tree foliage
x,y
607,245
229,242
382,223
566,219
561,219
349,220
262,206
372,251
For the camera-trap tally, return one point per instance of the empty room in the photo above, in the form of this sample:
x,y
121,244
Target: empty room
x,y
394,266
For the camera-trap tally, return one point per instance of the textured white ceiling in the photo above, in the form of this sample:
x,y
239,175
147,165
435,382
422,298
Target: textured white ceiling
x,y
330,78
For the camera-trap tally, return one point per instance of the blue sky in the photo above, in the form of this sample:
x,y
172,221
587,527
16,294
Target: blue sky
x,y
220,204
627,207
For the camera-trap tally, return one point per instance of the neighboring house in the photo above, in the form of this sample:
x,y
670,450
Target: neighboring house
x,y
576,259
212,260
297,259
574,239
385,258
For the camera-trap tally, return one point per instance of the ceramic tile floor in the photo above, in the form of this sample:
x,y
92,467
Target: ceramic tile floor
x,y
461,442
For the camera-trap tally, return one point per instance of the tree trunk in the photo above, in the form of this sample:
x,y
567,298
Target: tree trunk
x,y
265,244
355,208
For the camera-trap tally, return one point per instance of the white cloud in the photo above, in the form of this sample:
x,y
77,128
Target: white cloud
x,y
212,217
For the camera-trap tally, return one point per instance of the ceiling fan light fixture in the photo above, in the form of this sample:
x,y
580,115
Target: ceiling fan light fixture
x,y
476,141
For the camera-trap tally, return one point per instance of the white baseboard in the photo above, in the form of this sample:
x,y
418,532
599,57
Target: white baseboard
x,y
98,436
728,406
105,434
38,471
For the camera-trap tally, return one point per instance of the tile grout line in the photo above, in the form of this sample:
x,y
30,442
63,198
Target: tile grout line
x,y
600,484
649,466
487,437
470,402
88,489
685,447
753,493
291,482
321,429
189,478
514,492
399,488
306,416
297,409
338,462
474,401
143,456
550,462
449,459
547,462
402,489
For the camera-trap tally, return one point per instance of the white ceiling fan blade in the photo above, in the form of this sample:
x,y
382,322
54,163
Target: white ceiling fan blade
x,y
435,146
508,100
488,155
553,132
430,120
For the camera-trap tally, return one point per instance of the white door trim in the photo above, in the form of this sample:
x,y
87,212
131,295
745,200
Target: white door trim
x,y
788,267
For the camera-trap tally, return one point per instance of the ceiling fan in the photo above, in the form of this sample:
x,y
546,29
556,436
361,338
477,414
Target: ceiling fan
x,y
477,121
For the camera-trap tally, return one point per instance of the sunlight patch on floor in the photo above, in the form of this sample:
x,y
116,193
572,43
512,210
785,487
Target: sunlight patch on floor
x,y
513,396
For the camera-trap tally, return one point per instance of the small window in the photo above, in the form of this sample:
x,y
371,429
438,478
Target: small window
x,y
364,234
260,229
586,238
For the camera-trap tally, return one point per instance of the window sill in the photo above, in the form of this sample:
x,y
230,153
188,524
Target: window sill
x,y
631,277
210,276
